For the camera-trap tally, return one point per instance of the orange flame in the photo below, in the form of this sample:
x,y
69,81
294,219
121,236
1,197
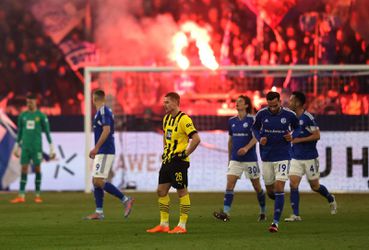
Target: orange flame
x,y
179,43
202,39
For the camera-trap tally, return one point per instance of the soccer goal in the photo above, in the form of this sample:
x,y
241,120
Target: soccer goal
x,y
135,96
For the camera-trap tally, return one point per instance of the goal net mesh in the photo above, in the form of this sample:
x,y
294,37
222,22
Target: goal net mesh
x,y
136,98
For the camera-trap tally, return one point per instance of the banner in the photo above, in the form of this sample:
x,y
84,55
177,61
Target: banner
x,y
343,163
79,54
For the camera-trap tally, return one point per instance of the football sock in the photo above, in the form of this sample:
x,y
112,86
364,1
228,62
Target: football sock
x,y
228,199
164,210
38,184
23,182
184,209
261,200
324,192
295,200
278,206
111,189
99,199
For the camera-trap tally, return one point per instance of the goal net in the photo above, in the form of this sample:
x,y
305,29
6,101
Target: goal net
x,y
135,95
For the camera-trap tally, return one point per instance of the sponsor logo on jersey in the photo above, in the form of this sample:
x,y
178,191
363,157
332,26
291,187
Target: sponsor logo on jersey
x,y
188,125
30,124
169,134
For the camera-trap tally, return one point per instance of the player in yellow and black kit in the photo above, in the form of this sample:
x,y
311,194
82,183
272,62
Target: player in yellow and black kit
x,y
180,140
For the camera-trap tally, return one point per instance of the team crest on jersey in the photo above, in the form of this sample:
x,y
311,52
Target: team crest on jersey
x,y
283,120
37,119
233,125
245,125
266,120
301,122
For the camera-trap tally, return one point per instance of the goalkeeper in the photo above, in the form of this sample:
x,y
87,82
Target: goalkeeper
x,y
31,124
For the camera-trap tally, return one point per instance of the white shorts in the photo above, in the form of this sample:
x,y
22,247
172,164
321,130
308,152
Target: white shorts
x,y
251,169
275,170
308,167
102,165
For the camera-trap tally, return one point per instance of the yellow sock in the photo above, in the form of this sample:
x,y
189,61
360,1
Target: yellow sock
x,y
164,209
184,209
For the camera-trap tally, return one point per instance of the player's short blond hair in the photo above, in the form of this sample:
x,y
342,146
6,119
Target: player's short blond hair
x,y
174,96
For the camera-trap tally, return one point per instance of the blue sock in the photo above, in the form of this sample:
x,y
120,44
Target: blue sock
x,y
111,189
323,191
261,200
228,199
295,200
278,206
99,198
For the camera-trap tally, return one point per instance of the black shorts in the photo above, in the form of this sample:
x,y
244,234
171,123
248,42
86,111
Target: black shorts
x,y
175,173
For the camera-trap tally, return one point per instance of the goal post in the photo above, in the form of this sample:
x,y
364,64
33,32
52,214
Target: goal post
x,y
281,70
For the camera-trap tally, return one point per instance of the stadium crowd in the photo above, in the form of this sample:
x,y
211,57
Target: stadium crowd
x,y
31,62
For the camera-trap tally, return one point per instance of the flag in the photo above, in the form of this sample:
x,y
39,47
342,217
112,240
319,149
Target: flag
x,y
224,49
272,11
58,17
9,165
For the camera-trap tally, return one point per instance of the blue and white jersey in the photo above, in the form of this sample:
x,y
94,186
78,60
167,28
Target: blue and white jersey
x,y
305,150
240,131
274,127
104,117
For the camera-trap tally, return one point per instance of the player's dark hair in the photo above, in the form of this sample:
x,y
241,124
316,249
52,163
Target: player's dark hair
x,y
272,95
99,93
173,96
247,102
31,96
299,96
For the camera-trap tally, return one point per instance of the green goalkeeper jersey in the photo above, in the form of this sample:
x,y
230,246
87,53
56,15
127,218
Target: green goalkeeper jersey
x,y
30,128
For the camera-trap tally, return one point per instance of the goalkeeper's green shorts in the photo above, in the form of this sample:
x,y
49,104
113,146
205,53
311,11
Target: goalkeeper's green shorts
x,y
31,154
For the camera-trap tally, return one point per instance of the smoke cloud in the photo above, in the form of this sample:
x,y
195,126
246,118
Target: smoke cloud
x,y
125,38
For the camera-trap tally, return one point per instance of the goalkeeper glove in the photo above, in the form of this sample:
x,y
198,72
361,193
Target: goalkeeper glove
x,y
16,150
52,152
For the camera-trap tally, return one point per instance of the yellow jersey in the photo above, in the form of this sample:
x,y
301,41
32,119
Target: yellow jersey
x,y
177,131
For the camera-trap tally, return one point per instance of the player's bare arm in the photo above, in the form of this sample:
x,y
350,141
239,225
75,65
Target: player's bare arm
x,y
315,136
229,148
100,142
194,142
245,149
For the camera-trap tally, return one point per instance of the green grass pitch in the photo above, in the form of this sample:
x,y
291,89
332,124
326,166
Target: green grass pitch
x,y
58,224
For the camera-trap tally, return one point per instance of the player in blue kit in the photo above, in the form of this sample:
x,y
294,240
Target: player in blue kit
x,y
272,128
305,158
103,154
242,158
